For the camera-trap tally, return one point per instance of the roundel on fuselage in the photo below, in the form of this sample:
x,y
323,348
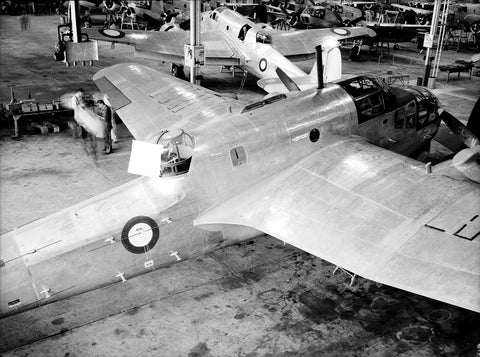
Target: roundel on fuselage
x,y
140,234
112,33
262,65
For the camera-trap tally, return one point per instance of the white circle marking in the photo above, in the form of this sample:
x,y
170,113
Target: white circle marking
x,y
140,235
110,32
340,31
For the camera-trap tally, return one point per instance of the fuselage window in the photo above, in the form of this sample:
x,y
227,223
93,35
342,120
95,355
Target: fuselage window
x,y
400,116
238,156
320,13
243,32
426,114
369,107
263,37
411,115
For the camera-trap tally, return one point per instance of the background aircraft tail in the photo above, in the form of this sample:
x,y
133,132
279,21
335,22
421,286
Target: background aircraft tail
x,y
332,71
332,64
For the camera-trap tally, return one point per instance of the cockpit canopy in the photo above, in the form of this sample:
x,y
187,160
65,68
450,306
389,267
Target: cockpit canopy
x,y
177,150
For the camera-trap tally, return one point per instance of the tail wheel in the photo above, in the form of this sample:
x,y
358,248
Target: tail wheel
x,y
140,234
422,19
475,27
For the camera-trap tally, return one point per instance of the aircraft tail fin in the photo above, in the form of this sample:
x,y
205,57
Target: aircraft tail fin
x,y
332,64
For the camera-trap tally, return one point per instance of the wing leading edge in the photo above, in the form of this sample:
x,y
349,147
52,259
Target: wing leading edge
x,y
375,213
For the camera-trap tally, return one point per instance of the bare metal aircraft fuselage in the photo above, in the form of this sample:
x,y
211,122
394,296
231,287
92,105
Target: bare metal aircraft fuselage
x,y
261,59
149,222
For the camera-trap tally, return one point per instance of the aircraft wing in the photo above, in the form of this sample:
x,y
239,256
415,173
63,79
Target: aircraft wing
x,y
149,101
395,25
169,45
373,212
302,43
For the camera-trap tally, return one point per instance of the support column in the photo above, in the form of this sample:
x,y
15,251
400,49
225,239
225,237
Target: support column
x,y
195,20
433,31
75,20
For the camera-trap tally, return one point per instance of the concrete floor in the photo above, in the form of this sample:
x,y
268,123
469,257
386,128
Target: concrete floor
x,y
257,299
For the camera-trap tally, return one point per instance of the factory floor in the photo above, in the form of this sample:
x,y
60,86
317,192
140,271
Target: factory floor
x,y
261,298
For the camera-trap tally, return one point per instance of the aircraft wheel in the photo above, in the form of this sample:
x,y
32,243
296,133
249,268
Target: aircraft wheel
x,y
140,234
177,71
475,27
347,23
294,20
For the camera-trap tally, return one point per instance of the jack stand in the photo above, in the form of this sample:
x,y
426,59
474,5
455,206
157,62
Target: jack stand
x,y
175,254
46,291
350,274
242,83
121,276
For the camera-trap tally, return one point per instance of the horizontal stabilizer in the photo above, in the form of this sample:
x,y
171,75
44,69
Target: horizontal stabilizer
x,y
287,81
275,85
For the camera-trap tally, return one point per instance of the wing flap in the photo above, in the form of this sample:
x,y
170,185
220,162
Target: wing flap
x,y
368,210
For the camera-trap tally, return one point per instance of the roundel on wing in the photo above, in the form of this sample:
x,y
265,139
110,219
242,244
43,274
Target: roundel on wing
x,y
112,33
140,234
340,31
262,65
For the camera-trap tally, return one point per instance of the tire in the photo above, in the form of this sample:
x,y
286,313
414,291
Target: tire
x,y
140,234
475,27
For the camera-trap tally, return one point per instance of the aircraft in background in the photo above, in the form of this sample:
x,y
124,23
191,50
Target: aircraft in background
x,y
153,12
323,170
232,40
422,16
464,16
156,10
96,6
311,16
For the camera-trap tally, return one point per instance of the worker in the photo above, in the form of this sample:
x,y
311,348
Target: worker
x,y
113,132
106,114
260,12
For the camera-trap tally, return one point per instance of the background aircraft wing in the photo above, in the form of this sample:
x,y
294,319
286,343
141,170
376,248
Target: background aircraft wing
x,y
149,101
302,43
373,212
169,45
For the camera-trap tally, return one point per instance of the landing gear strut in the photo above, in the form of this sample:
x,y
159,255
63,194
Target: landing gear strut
x,y
177,71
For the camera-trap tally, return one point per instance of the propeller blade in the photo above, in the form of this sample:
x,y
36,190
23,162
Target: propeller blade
x,y
287,81
458,128
284,11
